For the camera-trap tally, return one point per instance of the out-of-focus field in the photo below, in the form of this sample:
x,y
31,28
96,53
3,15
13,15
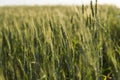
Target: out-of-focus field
x,y
60,43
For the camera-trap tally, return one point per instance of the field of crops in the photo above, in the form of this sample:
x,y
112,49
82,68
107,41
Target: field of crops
x,y
60,43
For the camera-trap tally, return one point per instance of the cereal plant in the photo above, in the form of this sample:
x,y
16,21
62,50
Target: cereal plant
x,y
60,43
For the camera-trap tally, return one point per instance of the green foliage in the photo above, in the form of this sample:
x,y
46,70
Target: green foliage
x,y
59,43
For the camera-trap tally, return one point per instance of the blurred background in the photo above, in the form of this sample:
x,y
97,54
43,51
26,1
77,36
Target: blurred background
x,y
56,2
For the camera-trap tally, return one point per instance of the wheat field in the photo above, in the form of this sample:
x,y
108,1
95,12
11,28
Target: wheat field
x,y
60,43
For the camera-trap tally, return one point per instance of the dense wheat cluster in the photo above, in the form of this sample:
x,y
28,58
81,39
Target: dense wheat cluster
x,y
60,43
